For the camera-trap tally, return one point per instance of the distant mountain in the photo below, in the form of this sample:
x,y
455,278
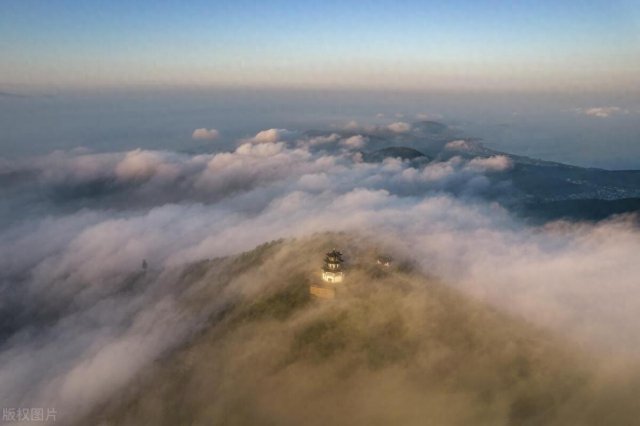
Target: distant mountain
x,y
534,188
551,190
581,209
428,126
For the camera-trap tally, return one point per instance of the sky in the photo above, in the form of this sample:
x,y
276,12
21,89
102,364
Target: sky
x,y
454,45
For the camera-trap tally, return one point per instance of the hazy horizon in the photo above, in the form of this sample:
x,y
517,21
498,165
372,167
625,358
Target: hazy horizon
x,y
528,78
521,123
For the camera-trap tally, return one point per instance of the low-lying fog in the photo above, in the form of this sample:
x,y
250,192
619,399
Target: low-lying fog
x,y
78,224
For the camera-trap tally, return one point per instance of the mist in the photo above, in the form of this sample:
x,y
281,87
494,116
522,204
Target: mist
x,y
94,247
396,346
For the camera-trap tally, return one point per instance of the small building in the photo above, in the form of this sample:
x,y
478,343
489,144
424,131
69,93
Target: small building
x,y
384,261
332,274
332,271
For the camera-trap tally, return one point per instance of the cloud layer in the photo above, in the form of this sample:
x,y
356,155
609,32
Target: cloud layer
x,y
205,134
80,315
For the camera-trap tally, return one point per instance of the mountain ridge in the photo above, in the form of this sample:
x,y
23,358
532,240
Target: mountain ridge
x,y
395,347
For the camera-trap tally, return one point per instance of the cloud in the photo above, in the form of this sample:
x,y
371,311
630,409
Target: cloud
x,y
143,178
62,168
254,165
460,145
495,163
428,116
205,134
355,142
603,112
319,140
273,135
81,317
142,165
399,127
352,125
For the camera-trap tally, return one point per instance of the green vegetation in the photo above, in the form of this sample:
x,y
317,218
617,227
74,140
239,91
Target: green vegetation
x,y
279,305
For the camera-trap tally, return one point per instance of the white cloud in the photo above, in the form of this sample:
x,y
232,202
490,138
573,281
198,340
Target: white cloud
x,y
603,112
459,145
314,182
495,163
395,127
140,164
428,116
352,125
320,140
273,135
61,167
399,127
264,149
205,134
354,142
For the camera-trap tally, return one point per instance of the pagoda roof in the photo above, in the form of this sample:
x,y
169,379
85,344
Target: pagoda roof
x,y
334,254
333,258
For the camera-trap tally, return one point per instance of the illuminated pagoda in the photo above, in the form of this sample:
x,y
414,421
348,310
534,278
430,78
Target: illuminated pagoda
x,y
332,274
332,270
384,260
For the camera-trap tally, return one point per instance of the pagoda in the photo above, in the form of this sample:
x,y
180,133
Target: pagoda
x,y
332,274
332,270
384,260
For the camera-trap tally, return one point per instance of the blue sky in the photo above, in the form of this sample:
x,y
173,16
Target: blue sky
x,y
482,44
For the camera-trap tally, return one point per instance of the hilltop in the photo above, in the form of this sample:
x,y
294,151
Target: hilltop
x,y
396,347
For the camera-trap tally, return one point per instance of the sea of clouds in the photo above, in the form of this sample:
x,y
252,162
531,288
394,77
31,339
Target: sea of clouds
x,y
77,226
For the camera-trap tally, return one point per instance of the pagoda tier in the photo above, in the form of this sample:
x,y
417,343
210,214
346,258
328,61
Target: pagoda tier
x,y
333,261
